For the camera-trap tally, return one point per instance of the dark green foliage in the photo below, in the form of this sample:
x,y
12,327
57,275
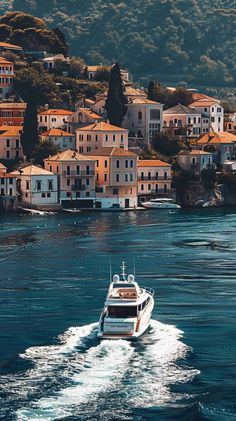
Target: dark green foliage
x,y
208,178
172,40
29,137
116,102
156,92
43,150
165,146
229,179
31,33
103,74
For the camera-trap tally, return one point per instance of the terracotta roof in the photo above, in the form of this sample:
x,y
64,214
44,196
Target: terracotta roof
x,y
109,151
10,46
198,152
152,163
142,101
56,112
10,131
4,61
31,170
56,132
198,96
102,126
69,155
219,137
204,103
181,109
10,105
90,113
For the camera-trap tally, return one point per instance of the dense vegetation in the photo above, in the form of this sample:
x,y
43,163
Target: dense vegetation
x,y
173,40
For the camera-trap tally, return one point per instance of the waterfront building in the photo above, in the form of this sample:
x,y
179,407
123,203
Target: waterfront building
x,y
98,135
116,178
213,110
143,118
60,138
230,122
12,113
10,144
184,121
6,78
154,179
222,145
76,174
37,187
53,118
8,190
195,160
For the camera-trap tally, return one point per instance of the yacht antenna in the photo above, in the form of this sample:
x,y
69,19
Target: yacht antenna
x,y
123,273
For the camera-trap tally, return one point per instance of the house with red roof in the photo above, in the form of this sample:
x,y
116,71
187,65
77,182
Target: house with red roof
x,y
53,118
64,140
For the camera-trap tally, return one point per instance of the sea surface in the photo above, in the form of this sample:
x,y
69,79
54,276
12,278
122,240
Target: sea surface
x,y
54,275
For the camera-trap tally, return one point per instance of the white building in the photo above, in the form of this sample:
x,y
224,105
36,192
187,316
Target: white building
x,y
53,118
154,179
195,160
60,138
98,135
182,120
143,118
213,110
37,188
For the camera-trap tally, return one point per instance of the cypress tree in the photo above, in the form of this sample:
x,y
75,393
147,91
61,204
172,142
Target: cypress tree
x,y
116,101
151,90
29,137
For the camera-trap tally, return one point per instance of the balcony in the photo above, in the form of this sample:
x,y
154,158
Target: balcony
x,y
153,178
82,187
79,174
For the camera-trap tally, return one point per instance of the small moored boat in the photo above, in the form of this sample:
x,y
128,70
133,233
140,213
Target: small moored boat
x,y
161,203
127,310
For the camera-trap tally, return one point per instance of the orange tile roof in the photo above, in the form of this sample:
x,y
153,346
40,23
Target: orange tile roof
x,y
56,112
111,151
204,103
10,131
69,155
152,163
56,132
4,61
102,126
10,46
219,137
31,170
197,96
90,113
198,152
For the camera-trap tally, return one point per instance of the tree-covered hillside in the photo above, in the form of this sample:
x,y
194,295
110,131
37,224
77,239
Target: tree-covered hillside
x,y
190,39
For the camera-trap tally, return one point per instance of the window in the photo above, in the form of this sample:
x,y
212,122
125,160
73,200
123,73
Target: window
x,y
117,163
89,149
157,175
50,185
212,109
8,154
68,194
57,169
88,137
219,119
43,195
115,191
122,138
122,311
205,110
114,137
105,163
126,163
81,137
193,161
117,178
105,177
149,176
26,194
106,137
140,115
96,137
219,110
131,177
50,168
155,114
142,175
194,120
81,149
149,186
10,180
131,163
38,185
68,182
68,170
10,192
2,181
87,182
8,143
48,194
126,177
87,169
17,154
213,119
165,175
77,169
87,194
27,185
142,187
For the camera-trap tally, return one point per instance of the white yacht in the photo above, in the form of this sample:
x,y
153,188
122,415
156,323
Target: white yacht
x,y
161,203
127,310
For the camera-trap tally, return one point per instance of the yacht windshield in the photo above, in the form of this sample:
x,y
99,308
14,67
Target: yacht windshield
x,y
122,311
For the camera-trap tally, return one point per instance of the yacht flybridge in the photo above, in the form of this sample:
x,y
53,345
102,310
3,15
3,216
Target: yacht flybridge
x,y
127,310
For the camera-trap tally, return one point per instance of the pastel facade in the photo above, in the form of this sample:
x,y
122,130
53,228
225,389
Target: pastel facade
x,y
195,160
53,118
37,187
221,144
10,144
82,117
76,174
60,138
143,118
154,179
213,110
182,120
98,135
8,190
116,178
6,78
12,113
230,122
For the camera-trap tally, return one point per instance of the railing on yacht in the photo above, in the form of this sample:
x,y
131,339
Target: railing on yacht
x,y
149,290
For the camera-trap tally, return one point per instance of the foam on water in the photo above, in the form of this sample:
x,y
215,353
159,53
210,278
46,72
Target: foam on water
x,y
141,373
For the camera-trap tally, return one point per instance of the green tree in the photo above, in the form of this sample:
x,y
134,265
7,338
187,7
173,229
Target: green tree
x,y
43,150
29,137
116,102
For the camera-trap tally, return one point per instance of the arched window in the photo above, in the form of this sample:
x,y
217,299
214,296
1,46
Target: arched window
x,y
140,115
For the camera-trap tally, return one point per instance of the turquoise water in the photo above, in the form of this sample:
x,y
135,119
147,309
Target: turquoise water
x,y
54,278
